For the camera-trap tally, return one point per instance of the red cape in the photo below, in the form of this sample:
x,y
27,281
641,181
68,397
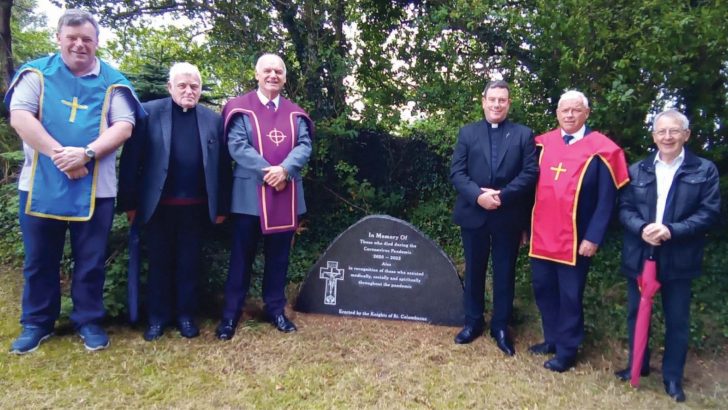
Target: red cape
x,y
562,168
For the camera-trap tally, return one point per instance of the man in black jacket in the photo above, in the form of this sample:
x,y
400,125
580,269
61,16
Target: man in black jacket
x,y
671,203
174,179
494,171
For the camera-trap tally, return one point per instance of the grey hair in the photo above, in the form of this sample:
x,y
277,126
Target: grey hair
x,y
183,68
496,84
76,17
260,59
574,95
675,115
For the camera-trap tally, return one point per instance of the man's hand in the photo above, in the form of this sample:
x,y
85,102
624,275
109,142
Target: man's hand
x,y
69,158
275,175
281,186
587,248
489,199
77,173
655,234
220,219
130,216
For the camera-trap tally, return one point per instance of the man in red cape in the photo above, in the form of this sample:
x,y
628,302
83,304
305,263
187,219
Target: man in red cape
x,y
269,138
672,202
580,173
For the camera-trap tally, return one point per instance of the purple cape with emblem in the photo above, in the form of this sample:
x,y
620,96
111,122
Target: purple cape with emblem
x,y
274,136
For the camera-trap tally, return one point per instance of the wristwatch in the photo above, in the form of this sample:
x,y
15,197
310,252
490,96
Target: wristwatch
x,y
90,153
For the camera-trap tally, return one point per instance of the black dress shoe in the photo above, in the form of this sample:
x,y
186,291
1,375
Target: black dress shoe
x,y
674,390
226,329
282,323
625,375
542,348
468,334
559,365
153,332
187,328
503,341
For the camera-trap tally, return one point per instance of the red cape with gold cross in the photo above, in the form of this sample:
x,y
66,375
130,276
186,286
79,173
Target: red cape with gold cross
x,y
562,168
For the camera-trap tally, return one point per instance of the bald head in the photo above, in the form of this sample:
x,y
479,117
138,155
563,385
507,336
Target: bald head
x,y
270,71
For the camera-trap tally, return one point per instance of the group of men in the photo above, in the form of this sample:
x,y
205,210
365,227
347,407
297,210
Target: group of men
x,y
559,189
73,112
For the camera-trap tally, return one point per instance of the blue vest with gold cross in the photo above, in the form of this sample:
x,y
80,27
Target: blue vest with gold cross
x,y
74,111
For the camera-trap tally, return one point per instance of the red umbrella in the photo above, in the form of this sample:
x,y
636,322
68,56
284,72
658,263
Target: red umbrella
x,y
649,285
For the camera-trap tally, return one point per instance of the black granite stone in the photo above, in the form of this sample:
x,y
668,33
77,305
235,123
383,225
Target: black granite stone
x,y
384,268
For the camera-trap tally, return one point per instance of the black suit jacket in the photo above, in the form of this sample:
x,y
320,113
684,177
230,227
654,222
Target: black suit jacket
x,y
515,175
145,161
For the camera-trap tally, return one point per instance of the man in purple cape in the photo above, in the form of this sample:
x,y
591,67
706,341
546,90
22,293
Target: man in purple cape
x,y
269,138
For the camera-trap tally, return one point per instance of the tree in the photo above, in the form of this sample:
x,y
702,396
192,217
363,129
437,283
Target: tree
x,y
23,36
308,33
6,43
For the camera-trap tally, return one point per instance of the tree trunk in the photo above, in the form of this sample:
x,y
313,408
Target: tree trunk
x,y
6,47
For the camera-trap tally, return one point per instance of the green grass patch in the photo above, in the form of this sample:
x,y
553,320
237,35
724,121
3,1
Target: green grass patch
x,y
332,362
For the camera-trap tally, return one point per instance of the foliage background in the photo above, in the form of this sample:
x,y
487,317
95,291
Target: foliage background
x,y
390,82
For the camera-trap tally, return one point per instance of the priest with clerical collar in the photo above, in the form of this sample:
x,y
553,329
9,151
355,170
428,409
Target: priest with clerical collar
x,y
269,138
175,178
494,171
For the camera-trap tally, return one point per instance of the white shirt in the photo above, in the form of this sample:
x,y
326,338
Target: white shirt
x,y
577,135
665,173
264,99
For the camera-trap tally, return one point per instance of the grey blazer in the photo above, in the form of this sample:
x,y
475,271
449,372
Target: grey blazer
x,y
248,171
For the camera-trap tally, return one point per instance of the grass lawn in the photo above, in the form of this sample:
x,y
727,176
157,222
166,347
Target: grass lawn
x,y
331,362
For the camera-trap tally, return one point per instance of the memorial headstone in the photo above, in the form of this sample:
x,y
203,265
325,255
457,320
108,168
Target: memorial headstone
x,y
384,268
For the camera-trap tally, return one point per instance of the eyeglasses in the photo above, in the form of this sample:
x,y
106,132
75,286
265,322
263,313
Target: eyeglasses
x,y
673,132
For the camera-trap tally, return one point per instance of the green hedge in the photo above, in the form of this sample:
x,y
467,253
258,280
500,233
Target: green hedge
x,y
356,173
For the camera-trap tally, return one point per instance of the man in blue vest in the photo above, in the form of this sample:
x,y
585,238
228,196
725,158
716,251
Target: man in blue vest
x,y
72,112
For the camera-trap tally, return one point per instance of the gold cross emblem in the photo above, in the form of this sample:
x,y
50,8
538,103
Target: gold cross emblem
x,y
558,170
74,107
276,136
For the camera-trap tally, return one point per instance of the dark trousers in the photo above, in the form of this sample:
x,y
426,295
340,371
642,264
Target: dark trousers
x,y
174,239
43,240
676,308
478,245
246,233
559,293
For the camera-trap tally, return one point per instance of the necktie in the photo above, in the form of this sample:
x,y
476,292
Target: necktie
x,y
271,105
568,138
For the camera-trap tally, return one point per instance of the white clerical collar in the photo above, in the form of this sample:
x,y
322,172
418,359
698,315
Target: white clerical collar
x,y
493,124
577,135
96,70
675,163
263,99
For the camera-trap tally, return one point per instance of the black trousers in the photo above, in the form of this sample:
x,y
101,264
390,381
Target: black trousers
x,y
276,247
479,244
174,239
559,292
676,308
